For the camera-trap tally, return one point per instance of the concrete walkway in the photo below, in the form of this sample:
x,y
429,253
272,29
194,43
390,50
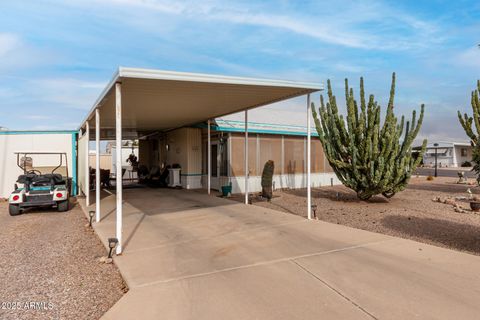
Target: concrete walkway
x,y
192,256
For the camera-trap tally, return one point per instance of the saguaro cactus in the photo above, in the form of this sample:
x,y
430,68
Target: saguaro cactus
x,y
368,157
267,177
467,124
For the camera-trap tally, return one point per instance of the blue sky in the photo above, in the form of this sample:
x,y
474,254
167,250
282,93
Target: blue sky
x,y
56,56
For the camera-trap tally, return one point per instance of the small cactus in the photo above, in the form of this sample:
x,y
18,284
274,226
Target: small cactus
x,y
267,179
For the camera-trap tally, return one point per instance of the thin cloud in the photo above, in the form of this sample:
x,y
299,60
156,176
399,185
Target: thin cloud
x,y
16,54
37,117
8,43
353,26
470,57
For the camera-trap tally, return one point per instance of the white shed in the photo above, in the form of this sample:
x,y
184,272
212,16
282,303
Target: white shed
x,y
35,141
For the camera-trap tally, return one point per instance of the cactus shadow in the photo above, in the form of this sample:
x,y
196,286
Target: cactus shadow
x,y
444,187
340,194
455,235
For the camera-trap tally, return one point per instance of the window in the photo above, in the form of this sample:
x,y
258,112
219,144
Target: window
x,y
463,152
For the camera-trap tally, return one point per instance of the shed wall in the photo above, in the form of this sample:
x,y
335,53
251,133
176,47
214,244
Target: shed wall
x,y
12,142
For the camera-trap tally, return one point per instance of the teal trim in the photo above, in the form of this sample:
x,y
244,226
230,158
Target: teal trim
x,y
264,131
37,132
39,188
74,163
263,124
278,132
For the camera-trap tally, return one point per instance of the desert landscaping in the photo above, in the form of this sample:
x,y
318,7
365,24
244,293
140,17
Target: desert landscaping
x,y
52,258
435,212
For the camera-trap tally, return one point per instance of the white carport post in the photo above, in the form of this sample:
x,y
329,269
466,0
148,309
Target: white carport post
x,y
118,163
209,157
309,161
246,157
87,165
97,165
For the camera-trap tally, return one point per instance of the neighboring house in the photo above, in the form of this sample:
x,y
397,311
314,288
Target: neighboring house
x,y
449,154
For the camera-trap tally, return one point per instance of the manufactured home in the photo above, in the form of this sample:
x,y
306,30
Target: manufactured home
x,y
449,154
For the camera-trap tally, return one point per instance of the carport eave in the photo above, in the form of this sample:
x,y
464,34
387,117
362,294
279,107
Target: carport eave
x,y
153,74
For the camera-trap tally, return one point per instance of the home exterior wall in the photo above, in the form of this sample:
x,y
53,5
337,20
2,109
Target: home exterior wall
x,y
185,149
461,159
442,160
13,141
289,155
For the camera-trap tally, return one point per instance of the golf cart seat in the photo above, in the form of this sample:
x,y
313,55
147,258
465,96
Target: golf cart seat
x,y
25,178
33,178
55,177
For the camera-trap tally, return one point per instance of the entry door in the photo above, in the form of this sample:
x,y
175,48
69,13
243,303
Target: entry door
x,y
215,167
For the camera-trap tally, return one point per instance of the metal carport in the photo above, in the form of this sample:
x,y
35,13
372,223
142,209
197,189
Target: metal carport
x,y
137,102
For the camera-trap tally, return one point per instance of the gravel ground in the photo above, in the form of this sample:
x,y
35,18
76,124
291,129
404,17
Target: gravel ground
x,y
410,214
51,257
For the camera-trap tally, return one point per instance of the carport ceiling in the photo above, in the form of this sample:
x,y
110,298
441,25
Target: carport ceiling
x,y
155,100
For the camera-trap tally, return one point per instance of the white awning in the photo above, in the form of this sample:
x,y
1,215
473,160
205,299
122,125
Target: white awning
x,y
156,100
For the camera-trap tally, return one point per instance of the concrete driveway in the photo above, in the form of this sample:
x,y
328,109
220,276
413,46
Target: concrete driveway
x,y
192,256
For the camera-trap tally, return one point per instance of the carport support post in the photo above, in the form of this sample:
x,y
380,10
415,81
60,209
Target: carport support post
x,y
118,163
209,157
87,165
97,165
246,157
309,161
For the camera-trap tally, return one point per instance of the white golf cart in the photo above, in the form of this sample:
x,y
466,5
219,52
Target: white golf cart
x,y
40,189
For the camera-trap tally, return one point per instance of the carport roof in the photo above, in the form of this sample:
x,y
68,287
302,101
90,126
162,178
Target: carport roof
x,y
157,100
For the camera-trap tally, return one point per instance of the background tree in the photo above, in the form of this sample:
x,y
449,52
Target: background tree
x,y
467,124
368,157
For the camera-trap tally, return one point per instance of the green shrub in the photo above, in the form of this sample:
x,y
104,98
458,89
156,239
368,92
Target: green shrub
x,y
466,164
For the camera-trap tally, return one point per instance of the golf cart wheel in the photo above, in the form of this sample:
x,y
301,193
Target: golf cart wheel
x,y
14,209
62,206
